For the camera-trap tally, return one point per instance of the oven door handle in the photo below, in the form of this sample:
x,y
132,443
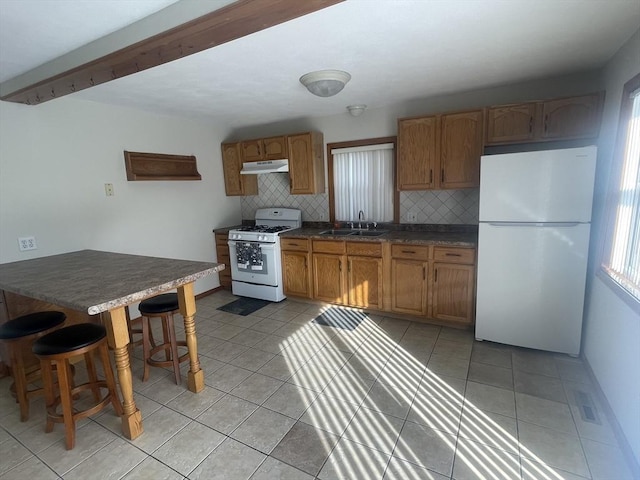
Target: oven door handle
x,y
263,246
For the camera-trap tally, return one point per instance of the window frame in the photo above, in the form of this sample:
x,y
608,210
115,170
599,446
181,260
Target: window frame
x,y
618,161
361,143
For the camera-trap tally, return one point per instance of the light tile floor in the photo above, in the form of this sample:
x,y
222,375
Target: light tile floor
x,y
289,399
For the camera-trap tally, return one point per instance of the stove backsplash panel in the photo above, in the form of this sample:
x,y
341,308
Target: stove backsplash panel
x,y
429,206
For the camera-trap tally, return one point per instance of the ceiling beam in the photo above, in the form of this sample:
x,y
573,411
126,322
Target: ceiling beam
x,y
228,23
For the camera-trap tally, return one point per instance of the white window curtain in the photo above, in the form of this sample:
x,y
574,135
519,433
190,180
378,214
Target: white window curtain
x,y
363,181
624,265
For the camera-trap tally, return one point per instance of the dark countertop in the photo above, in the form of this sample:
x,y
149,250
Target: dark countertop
x,y
226,229
458,239
95,281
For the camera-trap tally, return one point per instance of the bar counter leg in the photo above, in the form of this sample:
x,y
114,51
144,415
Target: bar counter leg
x,y
187,302
118,336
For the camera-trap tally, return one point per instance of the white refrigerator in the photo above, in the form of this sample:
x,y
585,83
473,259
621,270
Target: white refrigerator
x,y
533,244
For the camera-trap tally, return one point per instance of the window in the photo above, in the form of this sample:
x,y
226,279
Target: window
x,y
623,262
361,179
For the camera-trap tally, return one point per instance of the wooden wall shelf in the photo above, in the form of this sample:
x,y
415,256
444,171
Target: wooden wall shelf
x,y
158,166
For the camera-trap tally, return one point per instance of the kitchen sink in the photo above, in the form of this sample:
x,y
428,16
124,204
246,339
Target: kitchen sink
x,y
337,231
360,233
370,233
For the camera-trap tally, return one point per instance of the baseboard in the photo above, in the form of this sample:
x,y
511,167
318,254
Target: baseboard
x,y
209,292
627,451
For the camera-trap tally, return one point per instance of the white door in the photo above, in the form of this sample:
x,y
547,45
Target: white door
x,y
543,186
531,282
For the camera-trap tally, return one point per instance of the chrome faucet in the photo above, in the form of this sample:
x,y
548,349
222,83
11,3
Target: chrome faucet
x,y
360,218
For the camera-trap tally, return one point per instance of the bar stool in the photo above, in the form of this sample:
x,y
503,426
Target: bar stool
x,y
56,349
163,306
19,334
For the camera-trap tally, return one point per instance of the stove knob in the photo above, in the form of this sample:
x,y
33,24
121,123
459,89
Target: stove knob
x,y
261,237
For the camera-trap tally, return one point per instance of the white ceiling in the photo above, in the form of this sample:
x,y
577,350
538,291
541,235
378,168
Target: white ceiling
x,y
395,50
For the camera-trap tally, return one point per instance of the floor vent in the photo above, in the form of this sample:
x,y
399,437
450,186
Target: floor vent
x,y
588,411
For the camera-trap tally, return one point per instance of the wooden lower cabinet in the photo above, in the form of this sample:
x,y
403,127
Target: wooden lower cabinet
x,y
296,267
364,282
222,251
295,274
453,284
424,281
453,292
328,277
409,286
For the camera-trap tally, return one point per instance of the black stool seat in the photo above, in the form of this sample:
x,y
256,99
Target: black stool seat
x,y
56,350
166,302
31,324
69,339
18,335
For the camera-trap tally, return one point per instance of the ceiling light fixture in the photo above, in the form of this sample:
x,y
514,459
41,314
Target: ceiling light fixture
x,y
325,83
356,110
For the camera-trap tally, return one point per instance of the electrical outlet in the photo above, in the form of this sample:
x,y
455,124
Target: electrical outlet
x,y
412,217
108,189
322,216
27,243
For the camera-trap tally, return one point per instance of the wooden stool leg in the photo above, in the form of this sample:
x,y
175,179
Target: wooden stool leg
x,y
166,335
93,376
49,393
111,381
146,347
67,406
175,358
20,380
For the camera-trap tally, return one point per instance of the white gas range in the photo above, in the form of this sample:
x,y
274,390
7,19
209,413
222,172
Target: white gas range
x,y
256,264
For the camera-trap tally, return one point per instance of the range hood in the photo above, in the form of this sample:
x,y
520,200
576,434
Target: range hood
x,y
267,166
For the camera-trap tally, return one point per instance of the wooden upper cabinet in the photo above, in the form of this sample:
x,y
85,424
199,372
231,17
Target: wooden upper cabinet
x,y
275,148
252,150
440,151
568,118
417,153
460,149
511,123
306,163
234,183
272,148
551,120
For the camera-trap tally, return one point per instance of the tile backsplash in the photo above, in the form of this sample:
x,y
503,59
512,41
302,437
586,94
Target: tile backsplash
x,y
430,206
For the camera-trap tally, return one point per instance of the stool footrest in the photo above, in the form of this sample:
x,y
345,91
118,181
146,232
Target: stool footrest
x,y
166,347
52,410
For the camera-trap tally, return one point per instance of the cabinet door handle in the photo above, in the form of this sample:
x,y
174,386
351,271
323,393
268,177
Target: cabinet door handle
x,y
424,272
408,251
546,118
431,176
435,276
294,245
340,265
442,176
305,263
453,255
530,124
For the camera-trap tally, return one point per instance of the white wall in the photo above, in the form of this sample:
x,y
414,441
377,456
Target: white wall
x,y
56,157
611,339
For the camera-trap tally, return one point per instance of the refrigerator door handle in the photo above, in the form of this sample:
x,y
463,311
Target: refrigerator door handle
x,y
535,224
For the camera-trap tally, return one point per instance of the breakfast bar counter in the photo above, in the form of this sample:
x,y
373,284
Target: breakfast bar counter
x,y
106,283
